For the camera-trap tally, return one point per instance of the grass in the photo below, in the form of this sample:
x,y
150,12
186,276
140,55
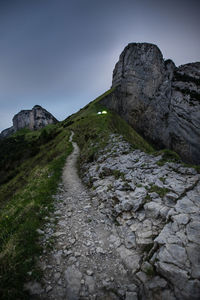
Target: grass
x,y
117,174
92,131
168,156
21,146
30,168
160,191
25,199
196,167
150,271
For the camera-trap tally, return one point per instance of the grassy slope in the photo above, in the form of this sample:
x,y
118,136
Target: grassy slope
x,y
92,131
26,190
25,199
31,164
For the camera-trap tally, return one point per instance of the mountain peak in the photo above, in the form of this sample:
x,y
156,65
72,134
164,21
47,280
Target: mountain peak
x,y
37,107
33,119
158,99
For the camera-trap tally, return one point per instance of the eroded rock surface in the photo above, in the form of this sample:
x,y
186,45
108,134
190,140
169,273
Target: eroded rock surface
x,y
161,101
157,209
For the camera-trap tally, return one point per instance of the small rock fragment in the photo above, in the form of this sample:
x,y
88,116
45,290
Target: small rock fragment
x,y
89,272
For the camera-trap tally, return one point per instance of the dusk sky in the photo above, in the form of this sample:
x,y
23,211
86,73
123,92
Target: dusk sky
x,y
60,54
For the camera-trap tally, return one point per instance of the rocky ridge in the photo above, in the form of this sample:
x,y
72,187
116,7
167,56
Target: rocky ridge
x,y
161,101
156,207
134,234
33,119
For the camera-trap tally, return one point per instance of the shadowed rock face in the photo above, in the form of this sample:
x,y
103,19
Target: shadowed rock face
x,y
7,132
161,101
34,119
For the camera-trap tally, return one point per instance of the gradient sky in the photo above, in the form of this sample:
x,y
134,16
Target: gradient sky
x,y
60,54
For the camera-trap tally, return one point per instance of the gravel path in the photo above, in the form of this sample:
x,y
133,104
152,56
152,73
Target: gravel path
x,y
83,263
134,234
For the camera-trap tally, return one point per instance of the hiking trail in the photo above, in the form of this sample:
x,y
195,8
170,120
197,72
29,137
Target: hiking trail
x,y
83,263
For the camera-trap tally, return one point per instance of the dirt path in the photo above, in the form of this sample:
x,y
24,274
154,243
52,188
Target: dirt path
x,y
83,263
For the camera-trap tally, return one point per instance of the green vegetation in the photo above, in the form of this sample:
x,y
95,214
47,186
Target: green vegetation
x,y
109,187
92,131
139,185
149,271
196,167
117,174
148,198
31,165
30,168
162,179
168,156
171,156
160,191
148,247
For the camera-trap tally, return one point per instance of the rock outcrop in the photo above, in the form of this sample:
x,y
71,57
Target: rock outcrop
x,y
161,101
33,119
6,132
156,207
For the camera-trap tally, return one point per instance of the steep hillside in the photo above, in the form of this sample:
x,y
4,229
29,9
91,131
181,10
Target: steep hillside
x,y
31,165
92,130
129,180
153,200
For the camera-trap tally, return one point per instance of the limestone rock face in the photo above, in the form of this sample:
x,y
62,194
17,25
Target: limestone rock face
x,y
161,101
34,119
157,212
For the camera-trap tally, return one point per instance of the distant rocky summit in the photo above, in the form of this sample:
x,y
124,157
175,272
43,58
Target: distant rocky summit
x,y
34,119
161,101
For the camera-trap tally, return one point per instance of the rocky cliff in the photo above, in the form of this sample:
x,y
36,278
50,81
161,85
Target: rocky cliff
x,y
34,119
161,101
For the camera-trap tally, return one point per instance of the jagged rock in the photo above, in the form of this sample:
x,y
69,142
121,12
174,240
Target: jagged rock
x,y
157,282
89,272
184,287
130,241
33,119
115,241
174,254
193,255
160,101
160,240
152,252
130,259
193,232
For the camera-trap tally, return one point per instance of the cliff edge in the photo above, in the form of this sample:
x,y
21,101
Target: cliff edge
x,y
158,99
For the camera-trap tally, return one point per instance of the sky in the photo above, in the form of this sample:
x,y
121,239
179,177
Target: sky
x,y
60,54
